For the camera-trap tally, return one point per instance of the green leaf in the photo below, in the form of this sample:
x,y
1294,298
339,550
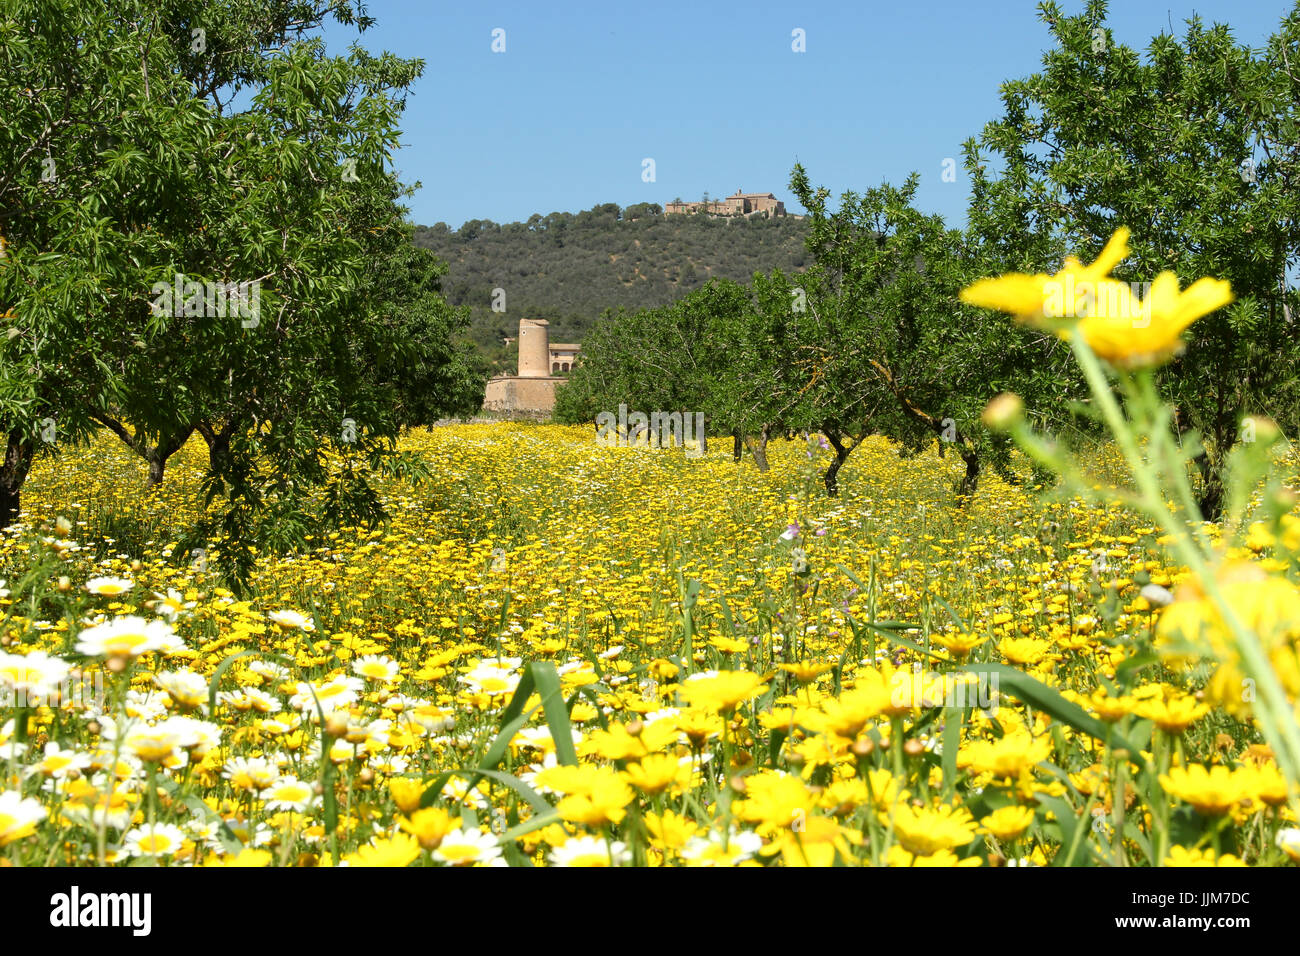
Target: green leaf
x,y
1037,694
547,679
888,629
530,796
951,744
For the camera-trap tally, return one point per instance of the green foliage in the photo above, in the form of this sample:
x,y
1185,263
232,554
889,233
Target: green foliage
x,y
150,189
1193,146
898,353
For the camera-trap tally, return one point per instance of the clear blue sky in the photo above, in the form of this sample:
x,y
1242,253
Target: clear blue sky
x,y
714,94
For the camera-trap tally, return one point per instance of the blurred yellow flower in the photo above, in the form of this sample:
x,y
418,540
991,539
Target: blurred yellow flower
x,y
1118,326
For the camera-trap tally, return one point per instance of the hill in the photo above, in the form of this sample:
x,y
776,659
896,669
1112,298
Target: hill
x,y
570,267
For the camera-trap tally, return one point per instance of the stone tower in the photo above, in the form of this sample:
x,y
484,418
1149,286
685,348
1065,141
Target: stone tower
x,y
534,348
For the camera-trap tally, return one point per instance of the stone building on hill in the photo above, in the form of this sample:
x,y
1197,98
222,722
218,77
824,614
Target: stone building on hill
x,y
738,204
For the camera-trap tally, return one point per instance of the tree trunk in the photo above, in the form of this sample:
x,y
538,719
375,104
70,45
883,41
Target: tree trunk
x,y
155,455
738,446
1220,434
167,446
19,452
969,481
1211,497
758,449
833,469
218,446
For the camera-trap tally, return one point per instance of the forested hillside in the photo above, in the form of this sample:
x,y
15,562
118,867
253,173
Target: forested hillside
x,y
570,267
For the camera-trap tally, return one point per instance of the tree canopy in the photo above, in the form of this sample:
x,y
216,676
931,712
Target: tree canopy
x,y
202,234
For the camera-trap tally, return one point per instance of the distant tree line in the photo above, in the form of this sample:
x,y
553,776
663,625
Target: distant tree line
x,y
570,267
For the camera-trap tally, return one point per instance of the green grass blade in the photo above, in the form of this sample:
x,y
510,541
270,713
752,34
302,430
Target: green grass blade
x,y
1037,694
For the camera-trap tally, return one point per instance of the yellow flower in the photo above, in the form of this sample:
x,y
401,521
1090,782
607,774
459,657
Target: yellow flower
x,y
960,644
669,831
813,842
247,857
618,743
398,850
406,793
1007,823
729,645
1129,334
1267,785
698,726
601,805
1013,755
658,772
1110,709
428,826
846,715
1025,651
1181,856
721,692
1267,604
1039,299
842,797
1212,792
927,830
1174,714
1118,327
804,672
898,856
885,789
565,778
774,799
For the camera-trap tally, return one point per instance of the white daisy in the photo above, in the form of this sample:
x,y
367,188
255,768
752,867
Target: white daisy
x,y
128,636
376,667
333,694
251,773
58,763
171,605
290,793
163,839
186,688
467,847
109,587
32,678
590,851
292,620
490,679
18,816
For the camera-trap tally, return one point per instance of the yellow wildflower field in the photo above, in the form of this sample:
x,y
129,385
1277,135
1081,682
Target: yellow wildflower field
x,y
563,654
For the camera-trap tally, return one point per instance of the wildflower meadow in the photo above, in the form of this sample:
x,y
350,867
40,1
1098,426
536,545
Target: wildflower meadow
x,y
953,546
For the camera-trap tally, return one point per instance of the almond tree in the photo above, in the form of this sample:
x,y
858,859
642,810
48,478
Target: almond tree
x,y
300,393
1191,145
899,354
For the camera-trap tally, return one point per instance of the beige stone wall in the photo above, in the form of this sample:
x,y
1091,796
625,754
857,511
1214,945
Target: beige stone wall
x,y
512,393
